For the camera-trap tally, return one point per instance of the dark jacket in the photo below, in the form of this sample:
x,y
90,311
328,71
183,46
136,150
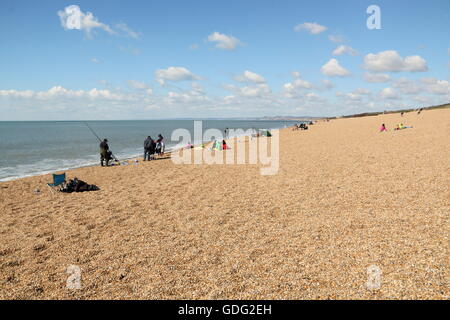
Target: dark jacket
x,y
104,146
148,143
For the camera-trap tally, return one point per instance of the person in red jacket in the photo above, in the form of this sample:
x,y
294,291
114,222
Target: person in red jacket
x,y
224,145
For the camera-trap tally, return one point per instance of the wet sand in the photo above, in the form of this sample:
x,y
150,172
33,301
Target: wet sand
x,y
345,198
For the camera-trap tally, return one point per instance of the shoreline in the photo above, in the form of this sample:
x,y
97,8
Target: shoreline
x,y
127,159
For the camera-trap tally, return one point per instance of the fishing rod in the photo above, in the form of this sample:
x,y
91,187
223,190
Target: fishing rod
x,y
112,155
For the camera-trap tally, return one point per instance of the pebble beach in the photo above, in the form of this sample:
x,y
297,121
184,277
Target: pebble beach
x,y
346,200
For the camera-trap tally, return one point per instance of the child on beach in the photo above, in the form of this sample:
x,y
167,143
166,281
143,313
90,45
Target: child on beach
x,y
383,128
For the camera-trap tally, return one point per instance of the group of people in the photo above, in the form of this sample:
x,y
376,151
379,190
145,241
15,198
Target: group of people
x,y
399,126
152,147
301,126
217,145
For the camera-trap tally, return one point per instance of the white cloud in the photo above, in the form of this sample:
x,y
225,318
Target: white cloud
x,y
197,87
140,86
376,77
249,76
311,27
130,33
174,74
61,92
352,96
95,60
344,49
407,86
186,97
137,84
361,91
16,93
87,22
435,86
224,41
336,38
332,69
294,88
388,93
422,99
391,61
254,91
311,96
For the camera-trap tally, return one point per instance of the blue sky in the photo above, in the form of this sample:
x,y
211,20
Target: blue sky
x,y
164,59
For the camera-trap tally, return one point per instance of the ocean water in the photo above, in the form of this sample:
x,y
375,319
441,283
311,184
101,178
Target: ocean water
x,y
30,148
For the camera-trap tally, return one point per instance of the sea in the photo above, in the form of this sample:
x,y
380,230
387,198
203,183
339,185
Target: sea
x,y
29,148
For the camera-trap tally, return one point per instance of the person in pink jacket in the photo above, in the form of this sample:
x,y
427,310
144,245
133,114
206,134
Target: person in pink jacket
x,y
383,128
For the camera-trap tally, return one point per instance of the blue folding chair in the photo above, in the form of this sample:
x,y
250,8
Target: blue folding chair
x,y
58,179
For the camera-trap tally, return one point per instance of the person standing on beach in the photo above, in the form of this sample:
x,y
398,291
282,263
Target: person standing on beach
x,y
104,152
148,146
160,145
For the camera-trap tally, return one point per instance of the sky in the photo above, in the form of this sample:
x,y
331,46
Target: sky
x,y
111,60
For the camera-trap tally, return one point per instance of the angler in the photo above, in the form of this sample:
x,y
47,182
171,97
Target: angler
x,y
105,154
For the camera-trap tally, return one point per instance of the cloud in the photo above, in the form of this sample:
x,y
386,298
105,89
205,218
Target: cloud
x,y
333,69
361,91
186,97
344,49
294,89
249,76
407,86
174,74
311,96
391,61
224,41
311,27
422,99
435,86
254,91
140,86
95,60
336,38
130,33
388,93
352,96
376,77
61,92
73,18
